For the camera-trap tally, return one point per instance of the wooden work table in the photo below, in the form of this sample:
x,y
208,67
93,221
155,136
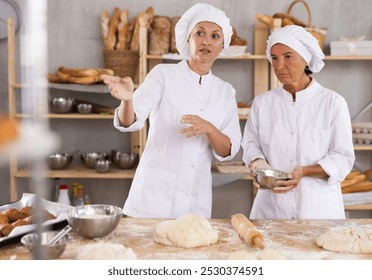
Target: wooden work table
x,y
295,239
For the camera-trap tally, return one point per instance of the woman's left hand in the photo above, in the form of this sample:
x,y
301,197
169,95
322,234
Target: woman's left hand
x,y
288,185
198,126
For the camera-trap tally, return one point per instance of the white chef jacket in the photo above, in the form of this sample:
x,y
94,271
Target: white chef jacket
x,y
316,129
174,177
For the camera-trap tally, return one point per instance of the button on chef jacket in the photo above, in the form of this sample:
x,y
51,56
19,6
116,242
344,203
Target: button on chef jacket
x,y
314,129
174,177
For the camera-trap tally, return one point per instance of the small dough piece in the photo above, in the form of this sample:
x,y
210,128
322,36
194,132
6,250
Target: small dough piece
x,y
346,240
271,254
188,231
105,251
241,255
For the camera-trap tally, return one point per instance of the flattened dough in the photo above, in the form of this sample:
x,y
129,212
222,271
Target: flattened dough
x,y
241,255
188,231
346,240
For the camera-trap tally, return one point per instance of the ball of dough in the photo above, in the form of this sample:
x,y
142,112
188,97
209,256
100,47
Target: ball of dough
x,y
188,231
346,240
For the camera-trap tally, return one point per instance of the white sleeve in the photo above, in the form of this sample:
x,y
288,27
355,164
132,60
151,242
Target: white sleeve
x,y
145,100
251,142
340,158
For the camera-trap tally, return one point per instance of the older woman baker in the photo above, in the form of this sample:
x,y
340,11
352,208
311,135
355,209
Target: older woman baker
x,y
301,128
193,114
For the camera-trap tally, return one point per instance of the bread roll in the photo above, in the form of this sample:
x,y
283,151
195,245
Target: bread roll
x,y
247,230
27,210
160,35
6,229
4,218
14,215
22,222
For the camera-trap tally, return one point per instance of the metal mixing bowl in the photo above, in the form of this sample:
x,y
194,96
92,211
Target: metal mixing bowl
x,y
32,241
62,105
95,220
84,108
267,178
102,165
59,161
90,158
124,160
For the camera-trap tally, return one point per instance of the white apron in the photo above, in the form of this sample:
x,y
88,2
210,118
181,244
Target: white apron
x,y
174,174
314,129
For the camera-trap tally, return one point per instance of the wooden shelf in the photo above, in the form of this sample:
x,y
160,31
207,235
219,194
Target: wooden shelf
x,y
361,147
351,57
95,88
71,116
237,57
81,172
359,207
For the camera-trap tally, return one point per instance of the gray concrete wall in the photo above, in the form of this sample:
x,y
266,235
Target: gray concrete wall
x,y
74,40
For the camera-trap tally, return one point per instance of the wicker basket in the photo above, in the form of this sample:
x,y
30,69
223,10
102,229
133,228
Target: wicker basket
x,y
123,62
317,32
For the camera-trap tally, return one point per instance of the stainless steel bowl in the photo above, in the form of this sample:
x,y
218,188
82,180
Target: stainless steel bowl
x,y
84,108
102,165
62,105
59,161
95,220
267,178
32,242
90,158
124,160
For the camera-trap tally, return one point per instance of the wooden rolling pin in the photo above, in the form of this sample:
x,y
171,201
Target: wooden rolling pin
x,y
247,230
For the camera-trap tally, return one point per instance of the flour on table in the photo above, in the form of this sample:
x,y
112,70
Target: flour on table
x,y
241,255
271,254
347,240
188,231
105,251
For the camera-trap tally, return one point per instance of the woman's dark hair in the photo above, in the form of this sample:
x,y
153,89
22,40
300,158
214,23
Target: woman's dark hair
x,y
307,70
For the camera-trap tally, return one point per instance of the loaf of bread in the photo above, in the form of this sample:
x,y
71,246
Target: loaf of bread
x,y
287,17
122,30
160,35
111,37
173,47
247,231
84,76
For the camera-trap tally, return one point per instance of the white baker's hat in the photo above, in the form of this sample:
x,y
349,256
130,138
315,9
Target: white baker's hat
x,y
197,13
301,41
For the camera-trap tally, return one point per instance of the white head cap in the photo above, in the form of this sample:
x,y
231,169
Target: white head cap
x,y
301,41
198,13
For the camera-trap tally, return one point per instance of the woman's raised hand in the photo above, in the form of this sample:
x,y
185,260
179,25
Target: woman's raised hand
x,y
121,88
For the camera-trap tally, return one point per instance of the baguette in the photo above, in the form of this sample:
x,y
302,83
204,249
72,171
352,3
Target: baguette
x,y
363,186
354,180
85,80
247,231
111,37
122,30
105,18
149,17
266,19
79,72
134,44
352,174
64,77
128,38
291,18
54,79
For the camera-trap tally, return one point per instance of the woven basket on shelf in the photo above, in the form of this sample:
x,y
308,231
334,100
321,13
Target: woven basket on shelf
x,y
317,32
123,62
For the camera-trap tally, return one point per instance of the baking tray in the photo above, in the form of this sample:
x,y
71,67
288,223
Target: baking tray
x,y
28,199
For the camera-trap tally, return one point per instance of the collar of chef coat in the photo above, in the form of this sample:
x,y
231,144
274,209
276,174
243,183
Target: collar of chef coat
x,y
301,95
195,76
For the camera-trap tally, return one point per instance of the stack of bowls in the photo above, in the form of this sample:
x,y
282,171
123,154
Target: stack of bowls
x,y
90,158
